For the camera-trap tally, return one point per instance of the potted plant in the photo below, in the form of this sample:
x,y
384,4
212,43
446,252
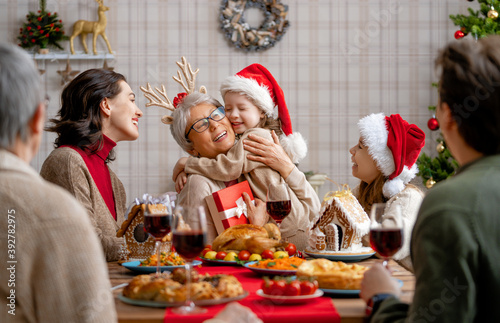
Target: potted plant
x,y
42,29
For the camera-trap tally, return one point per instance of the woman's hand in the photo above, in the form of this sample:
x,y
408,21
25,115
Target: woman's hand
x,y
378,280
256,213
180,181
269,153
178,168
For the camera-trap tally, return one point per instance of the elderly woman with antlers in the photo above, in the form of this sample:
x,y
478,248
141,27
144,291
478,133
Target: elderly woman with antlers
x,y
201,128
98,110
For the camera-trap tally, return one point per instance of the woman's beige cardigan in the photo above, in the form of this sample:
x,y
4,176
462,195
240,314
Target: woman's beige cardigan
x,y
66,168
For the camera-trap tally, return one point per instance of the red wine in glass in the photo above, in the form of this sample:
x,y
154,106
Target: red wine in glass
x,y
386,241
278,210
189,244
158,225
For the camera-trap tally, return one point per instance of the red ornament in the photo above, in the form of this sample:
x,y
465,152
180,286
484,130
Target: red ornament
x,y
433,124
459,34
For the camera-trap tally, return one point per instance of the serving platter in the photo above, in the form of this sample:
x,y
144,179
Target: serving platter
x,y
287,300
269,272
135,267
349,292
219,262
204,302
342,256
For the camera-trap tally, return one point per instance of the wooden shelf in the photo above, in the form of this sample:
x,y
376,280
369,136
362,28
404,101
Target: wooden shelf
x,y
66,55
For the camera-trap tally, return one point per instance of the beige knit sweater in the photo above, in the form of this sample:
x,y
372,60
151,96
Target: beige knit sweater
x,y
226,167
58,272
66,168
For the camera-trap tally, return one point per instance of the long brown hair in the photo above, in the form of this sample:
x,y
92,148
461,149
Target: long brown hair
x,y
369,194
78,122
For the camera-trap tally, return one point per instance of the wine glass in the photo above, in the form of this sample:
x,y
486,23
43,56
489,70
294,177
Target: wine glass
x,y
278,202
386,230
189,239
158,222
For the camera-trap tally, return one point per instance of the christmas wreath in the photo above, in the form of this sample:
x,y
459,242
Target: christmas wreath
x,y
247,38
42,29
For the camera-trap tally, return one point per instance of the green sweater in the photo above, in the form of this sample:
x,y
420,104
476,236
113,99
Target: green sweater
x,y
455,250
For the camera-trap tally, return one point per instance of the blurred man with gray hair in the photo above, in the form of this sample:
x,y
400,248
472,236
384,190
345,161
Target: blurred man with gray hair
x,y
55,267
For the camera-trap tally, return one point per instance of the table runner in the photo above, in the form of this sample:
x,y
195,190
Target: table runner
x,y
319,310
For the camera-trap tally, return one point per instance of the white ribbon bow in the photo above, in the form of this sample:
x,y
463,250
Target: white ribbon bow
x,y
241,207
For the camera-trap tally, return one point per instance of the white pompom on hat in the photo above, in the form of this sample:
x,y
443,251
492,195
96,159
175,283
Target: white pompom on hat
x,y
394,144
258,84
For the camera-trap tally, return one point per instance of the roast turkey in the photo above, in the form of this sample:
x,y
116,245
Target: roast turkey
x,y
249,237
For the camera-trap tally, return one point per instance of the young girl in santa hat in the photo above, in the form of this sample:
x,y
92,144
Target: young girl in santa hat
x,y
385,161
250,99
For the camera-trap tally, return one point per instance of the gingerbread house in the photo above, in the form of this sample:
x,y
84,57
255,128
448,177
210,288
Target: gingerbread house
x,y
138,243
341,224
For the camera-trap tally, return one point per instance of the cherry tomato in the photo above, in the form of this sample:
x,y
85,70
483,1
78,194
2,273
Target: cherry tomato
x,y
278,288
221,255
316,285
307,287
292,288
267,286
209,246
267,254
244,255
205,251
291,249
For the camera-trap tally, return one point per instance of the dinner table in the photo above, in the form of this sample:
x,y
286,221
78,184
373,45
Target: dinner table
x,y
349,308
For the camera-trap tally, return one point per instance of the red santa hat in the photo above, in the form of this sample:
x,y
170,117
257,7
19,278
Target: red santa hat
x,y
394,144
258,84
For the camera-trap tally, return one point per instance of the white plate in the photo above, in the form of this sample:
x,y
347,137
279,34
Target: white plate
x,y
204,302
278,300
342,256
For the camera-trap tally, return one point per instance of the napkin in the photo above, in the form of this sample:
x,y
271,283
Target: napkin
x,y
233,310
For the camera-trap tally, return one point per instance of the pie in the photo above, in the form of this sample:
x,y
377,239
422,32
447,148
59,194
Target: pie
x,y
333,274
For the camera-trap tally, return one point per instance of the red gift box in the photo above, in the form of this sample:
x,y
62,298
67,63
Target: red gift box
x,y
228,207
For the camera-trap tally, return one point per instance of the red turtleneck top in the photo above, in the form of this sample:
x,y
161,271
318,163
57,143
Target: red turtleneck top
x,y
96,163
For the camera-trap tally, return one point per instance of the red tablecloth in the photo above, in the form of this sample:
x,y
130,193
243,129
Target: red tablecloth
x,y
318,310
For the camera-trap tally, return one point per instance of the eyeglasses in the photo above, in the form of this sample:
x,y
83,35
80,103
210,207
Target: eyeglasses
x,y
202,124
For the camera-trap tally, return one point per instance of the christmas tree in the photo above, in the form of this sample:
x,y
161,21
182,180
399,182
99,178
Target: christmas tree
x,y
42,29
479,23
433,170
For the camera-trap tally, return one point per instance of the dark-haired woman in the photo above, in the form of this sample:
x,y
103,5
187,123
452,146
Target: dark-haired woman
x,y
98,110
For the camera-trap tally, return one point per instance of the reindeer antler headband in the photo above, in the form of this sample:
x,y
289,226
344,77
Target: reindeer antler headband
x,y
155,99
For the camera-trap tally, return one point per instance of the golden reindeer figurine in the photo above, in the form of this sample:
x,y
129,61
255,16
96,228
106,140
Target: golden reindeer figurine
x,y
84,27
